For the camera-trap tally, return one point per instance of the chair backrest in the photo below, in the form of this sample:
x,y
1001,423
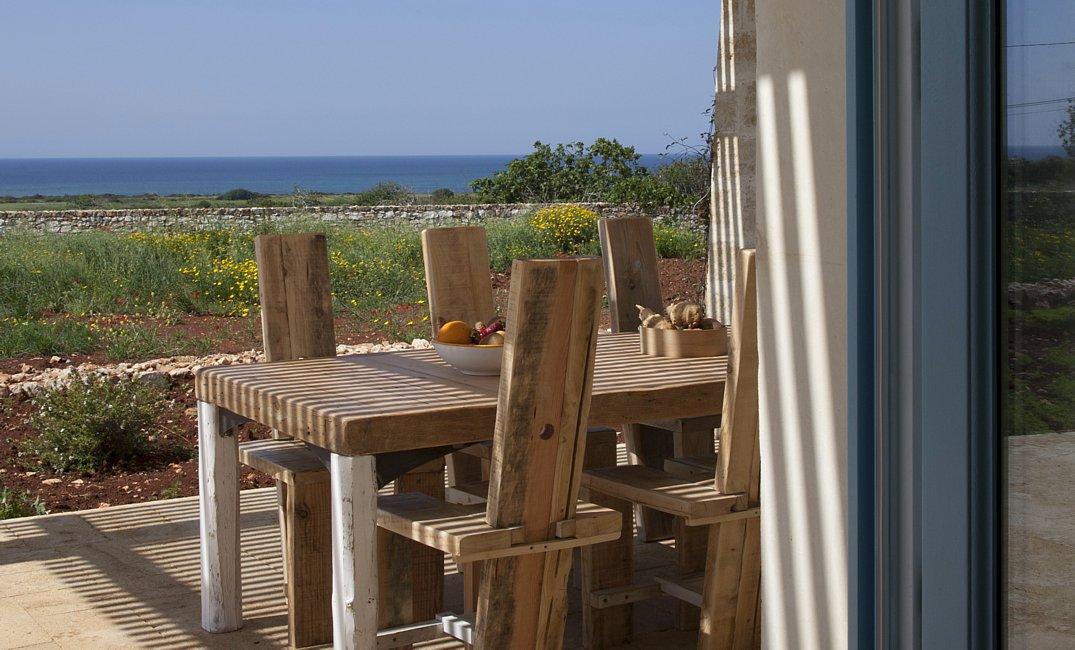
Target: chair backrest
x,y
540,436
739,469
457,275
296,296
629,257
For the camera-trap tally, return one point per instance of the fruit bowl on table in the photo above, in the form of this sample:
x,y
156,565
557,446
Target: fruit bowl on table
x,y
471,359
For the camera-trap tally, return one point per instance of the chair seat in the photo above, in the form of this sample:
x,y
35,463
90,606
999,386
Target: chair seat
x,y
462,531
288,461
692,468
703,423
697,502
467,494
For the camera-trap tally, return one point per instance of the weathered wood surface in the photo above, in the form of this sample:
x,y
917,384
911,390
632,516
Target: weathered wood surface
x,y
459,287
458,284
395,401
218,500
308,538
287,461
607,568
296,298
411,575
731,590
629,259
355,598
538,447
462,531
297,323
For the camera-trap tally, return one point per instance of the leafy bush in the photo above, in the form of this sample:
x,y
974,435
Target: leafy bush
x,y
513,239
570,228
568,172
674,241
386,193
19,504
441,194
93,425
238,194
603,171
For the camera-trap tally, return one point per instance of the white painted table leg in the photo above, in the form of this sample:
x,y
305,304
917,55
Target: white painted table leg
x,y
354,551
218,474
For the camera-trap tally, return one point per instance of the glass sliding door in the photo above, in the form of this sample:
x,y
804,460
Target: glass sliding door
x,y
1038,301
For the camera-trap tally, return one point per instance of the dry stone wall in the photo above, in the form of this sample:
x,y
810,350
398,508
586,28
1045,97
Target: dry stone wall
x,y
67,221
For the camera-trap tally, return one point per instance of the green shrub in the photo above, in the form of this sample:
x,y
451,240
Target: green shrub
x,y
19,504
566,172
386,193
441,194
512,239
93,425
571,228
678,242
238,194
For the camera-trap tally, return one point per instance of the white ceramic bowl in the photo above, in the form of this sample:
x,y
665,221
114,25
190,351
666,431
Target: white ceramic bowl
x,y
471,359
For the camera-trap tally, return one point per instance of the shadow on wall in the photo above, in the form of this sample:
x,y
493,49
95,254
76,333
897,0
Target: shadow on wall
x,y
802,330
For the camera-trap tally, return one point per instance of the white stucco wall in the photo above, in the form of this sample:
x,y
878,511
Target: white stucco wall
x,y
802,284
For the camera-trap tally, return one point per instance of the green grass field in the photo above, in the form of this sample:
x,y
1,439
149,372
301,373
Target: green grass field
x,y
56,284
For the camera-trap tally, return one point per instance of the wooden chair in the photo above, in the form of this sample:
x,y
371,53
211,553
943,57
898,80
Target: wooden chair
x,y
631,275
532,519
726,506
297,322
458,288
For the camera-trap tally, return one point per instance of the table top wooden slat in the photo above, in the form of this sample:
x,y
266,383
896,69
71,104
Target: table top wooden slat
x,y
402,400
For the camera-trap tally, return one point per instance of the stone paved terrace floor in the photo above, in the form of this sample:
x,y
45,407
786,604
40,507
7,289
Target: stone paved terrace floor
x,y
1041,541
127,576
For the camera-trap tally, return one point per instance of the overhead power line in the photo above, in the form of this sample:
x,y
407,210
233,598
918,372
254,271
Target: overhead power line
x,y
1041,102
1041,44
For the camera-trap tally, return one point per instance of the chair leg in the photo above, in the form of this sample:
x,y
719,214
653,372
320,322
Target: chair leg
x,y
730,595
650,446
218,499
522,601
308,563
691,543
411,575
464,468
472,576
610,564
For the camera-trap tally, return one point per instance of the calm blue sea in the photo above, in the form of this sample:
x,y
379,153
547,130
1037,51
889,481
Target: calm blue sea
x,y
267,175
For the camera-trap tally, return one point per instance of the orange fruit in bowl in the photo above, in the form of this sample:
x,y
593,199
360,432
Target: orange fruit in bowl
x,y
454,331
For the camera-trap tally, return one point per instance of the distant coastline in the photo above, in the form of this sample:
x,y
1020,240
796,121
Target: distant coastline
x,y
265,175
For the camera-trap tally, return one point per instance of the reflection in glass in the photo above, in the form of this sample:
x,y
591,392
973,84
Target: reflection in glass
x,y
1038,241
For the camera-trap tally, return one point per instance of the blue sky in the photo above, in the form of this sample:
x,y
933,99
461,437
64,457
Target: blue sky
x,y
273,77
1039,73
269,77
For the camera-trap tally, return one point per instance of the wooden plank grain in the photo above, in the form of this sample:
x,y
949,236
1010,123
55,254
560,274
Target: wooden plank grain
x,y
363,404
629,258
538,446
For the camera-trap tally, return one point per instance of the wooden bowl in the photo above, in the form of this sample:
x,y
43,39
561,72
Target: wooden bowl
x,y
684,344
482,360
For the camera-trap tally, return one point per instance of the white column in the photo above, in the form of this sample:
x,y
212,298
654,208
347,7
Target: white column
x,y
354,551
218,474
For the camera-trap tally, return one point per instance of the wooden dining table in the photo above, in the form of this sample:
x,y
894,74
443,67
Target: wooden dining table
x,y
377,416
